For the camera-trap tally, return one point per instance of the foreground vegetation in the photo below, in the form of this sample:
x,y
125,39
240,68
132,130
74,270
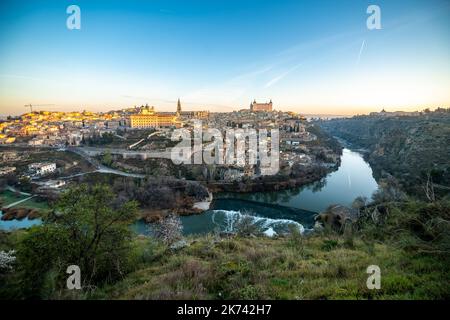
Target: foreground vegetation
x,y
286,268
407,236
408,240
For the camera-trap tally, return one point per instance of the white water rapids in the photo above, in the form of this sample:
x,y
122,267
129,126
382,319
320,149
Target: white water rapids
x,y
226,221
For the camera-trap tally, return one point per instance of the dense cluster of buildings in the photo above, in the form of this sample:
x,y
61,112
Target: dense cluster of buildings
x,y
56,128
384,113
7,170
60,129
147,117
293,135
45,128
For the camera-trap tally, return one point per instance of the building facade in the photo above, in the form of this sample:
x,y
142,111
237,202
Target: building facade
x,y
187,115
148,118
202,115
7,170
255,106
42,168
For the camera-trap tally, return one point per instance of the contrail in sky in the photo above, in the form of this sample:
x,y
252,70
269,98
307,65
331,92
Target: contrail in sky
x,y
360,52
281,76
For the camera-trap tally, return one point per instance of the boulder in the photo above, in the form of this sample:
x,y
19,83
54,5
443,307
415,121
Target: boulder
x,y
21,213
7,215
335,217
33,214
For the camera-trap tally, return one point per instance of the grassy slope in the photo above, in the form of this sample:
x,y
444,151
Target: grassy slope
x,y
318,267
34,204
7,197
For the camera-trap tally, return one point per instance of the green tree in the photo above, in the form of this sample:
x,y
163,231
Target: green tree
x,y
42,252
107,159
88,229
25,184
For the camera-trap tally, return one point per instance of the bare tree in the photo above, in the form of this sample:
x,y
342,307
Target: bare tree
x,y
429,188
168,230
7,259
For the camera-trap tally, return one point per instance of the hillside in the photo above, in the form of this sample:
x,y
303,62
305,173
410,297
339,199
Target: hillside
x,y
408,148
410,244
285,268
406,237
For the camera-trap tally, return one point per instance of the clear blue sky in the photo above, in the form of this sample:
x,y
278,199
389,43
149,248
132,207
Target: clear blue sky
x,y
307,56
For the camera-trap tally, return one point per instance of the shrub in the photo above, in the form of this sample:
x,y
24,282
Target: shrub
x,y
85,230
245,227
418,226
329,245
168,230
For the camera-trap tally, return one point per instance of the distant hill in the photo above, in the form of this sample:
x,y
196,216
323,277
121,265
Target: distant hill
x,y
406,147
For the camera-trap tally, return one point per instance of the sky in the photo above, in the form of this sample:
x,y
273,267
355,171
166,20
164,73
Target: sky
x,y
312,57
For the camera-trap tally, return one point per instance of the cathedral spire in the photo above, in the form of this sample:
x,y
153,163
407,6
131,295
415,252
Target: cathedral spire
x,y
178,107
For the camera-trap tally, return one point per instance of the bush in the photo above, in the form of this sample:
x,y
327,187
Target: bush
x,y
246,226
168,230
414,225
84,230
329,245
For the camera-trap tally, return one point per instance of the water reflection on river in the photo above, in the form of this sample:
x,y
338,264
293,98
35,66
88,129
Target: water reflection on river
x,y
275,211
353,178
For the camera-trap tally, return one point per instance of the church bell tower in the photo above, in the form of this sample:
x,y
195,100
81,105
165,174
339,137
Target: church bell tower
x,y
178,107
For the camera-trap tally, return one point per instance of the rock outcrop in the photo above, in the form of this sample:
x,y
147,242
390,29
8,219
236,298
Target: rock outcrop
x,y
335,217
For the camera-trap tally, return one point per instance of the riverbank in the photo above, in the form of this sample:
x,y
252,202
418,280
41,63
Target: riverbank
x,y
322,265
188,208
410,148
20,209
352,179
228,262
273,183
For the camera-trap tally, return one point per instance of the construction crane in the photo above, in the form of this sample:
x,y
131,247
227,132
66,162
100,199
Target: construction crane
x,y
36,105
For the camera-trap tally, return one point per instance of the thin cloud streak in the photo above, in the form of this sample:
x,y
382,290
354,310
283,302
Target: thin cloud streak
x,y
281,76
360,52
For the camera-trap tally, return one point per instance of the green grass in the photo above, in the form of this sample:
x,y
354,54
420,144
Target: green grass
x,y
285,268
7,197
34,204
411,249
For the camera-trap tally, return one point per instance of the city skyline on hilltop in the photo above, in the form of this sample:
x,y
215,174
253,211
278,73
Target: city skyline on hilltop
x,y
221,55
175,110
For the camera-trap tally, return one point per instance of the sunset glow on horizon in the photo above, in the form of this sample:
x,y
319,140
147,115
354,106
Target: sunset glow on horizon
x,y
221,55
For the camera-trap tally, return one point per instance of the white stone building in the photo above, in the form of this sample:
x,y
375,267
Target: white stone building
x,y
42,168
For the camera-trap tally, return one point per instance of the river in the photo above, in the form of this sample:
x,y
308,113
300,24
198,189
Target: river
x,y
274,211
